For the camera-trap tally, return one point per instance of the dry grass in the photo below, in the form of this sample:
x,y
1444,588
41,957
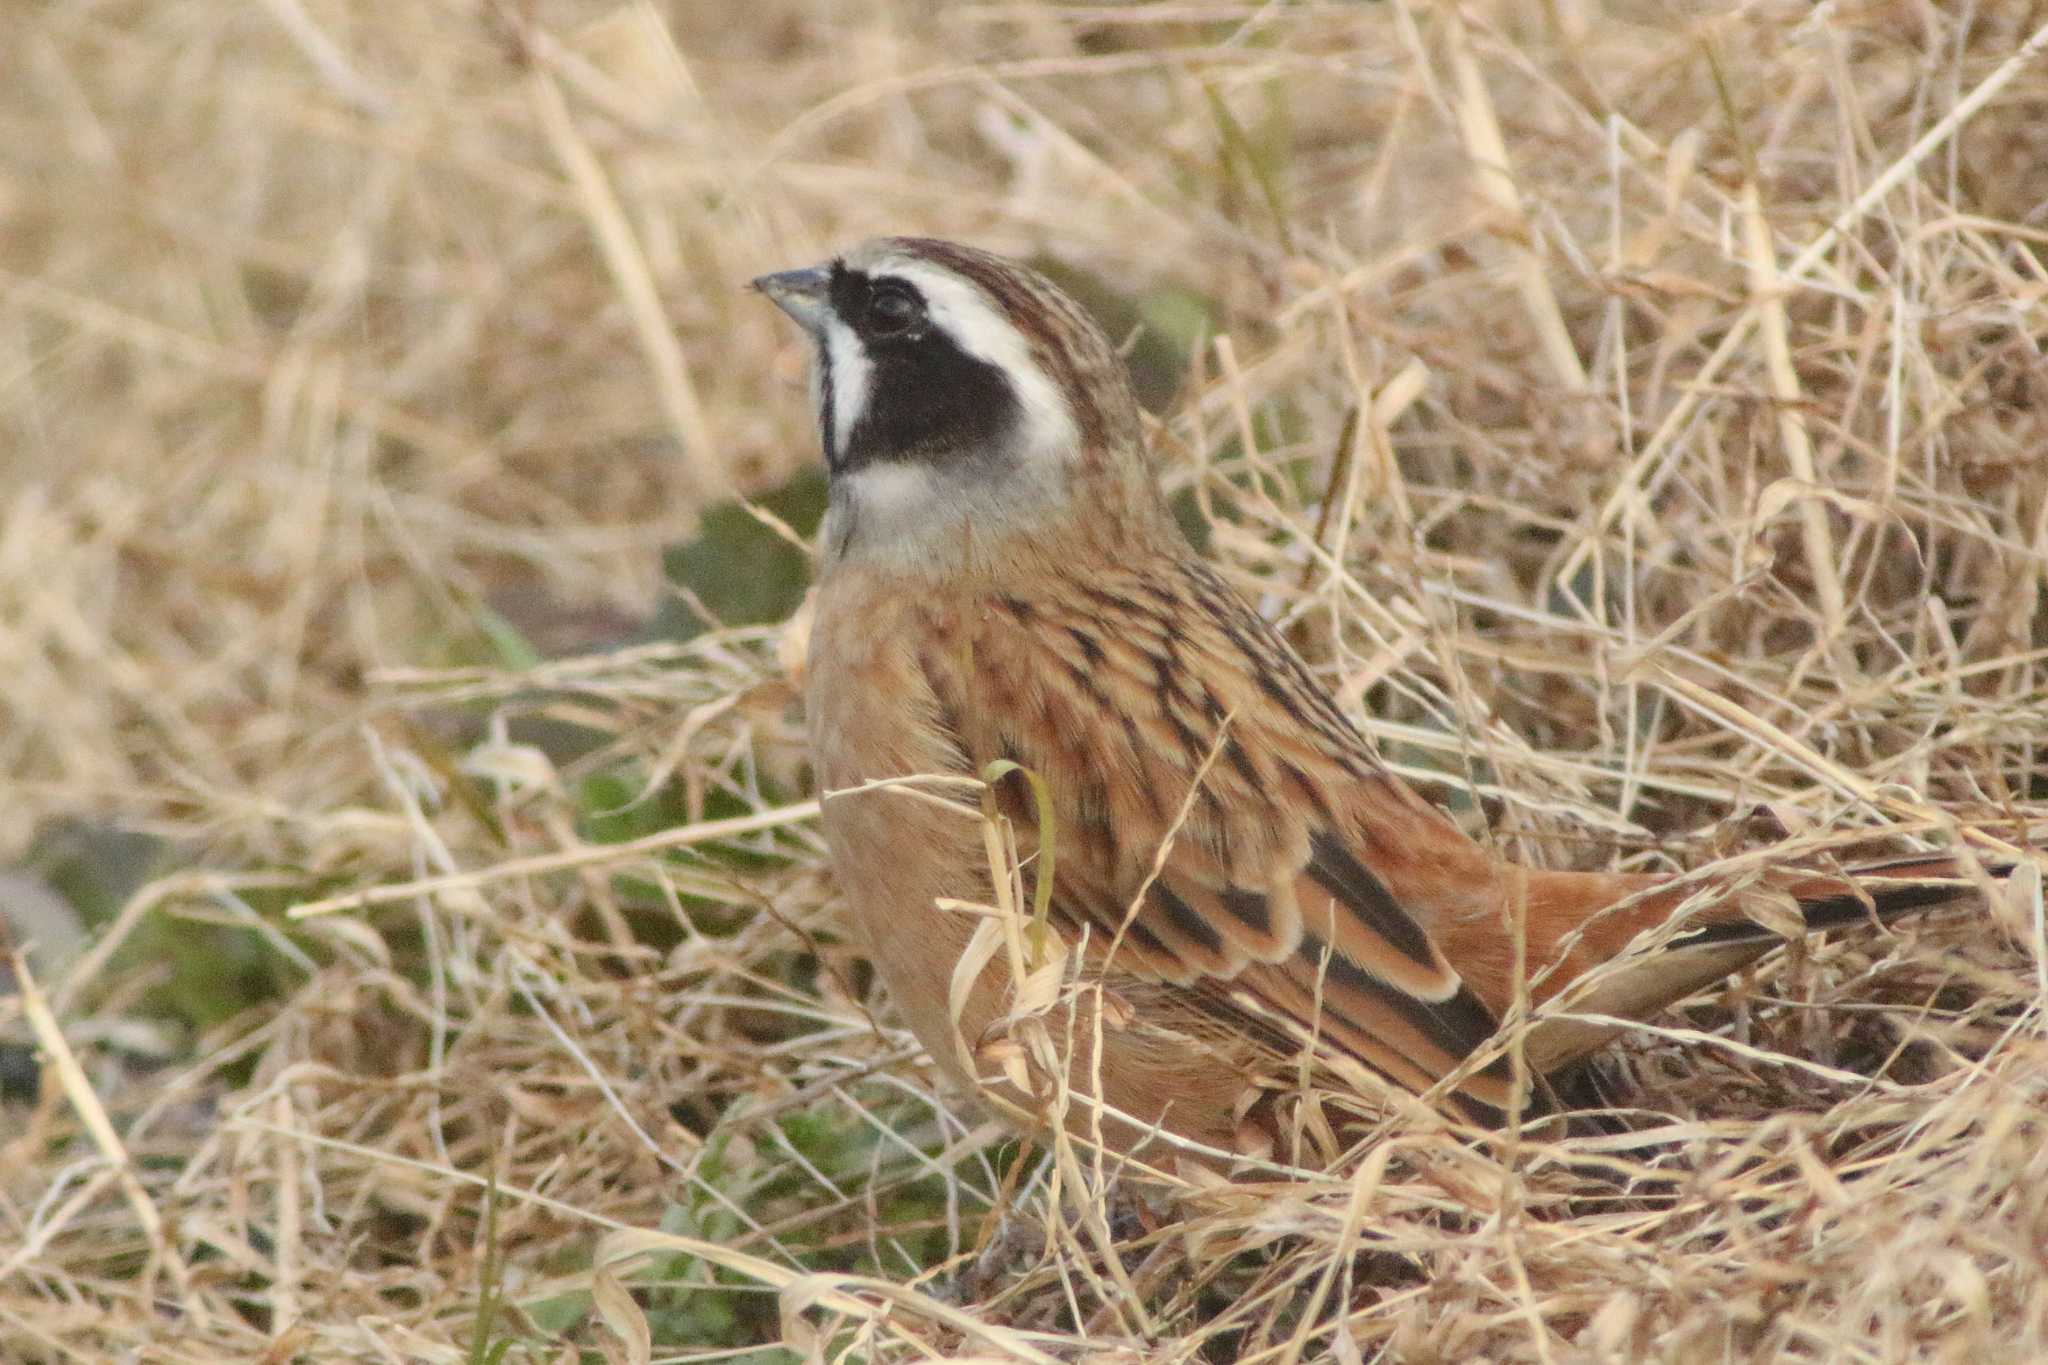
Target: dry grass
x,y
1694,506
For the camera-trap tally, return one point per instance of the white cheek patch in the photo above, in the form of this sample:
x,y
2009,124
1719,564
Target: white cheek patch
x,y
851,374
1045,425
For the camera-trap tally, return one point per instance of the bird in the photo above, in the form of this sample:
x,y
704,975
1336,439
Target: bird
x,y
1235,877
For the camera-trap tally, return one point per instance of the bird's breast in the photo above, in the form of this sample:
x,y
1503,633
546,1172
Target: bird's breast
x,y
899,845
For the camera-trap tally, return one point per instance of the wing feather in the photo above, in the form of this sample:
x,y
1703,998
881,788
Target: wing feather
x,y
1224,829
1226,836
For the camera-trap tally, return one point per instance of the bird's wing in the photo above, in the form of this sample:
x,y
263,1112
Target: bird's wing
x,y
1323,952
1221,828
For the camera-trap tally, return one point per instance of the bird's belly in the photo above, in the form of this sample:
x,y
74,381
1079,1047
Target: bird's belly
x,y
902,851
898,847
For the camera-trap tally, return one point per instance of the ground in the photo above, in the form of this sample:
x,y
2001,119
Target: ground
x,y
1636,413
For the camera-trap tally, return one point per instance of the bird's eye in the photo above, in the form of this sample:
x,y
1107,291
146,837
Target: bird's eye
x,y
892,311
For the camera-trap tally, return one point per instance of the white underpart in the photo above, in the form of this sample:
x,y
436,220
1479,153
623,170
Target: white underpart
x,y
917,514
898,507
937,518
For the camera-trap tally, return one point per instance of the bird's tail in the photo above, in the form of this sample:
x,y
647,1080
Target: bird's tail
x,y
1622,983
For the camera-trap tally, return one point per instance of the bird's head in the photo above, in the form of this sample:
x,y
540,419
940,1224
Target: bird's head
x,y
962,400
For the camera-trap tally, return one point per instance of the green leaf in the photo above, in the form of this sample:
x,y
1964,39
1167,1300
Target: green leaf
x,y
512,650
740,569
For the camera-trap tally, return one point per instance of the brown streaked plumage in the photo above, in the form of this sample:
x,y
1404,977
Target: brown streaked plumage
x,y
1003,581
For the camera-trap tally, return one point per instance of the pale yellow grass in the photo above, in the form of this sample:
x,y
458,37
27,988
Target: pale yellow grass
x,y
1638,413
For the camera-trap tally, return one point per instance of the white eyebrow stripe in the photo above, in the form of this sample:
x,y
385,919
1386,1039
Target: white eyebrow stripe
x,y
979,328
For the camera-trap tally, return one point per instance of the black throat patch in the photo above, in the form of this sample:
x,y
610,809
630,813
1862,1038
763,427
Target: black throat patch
x,y
927,400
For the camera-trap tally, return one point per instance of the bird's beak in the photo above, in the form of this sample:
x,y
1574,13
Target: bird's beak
x,y
801,294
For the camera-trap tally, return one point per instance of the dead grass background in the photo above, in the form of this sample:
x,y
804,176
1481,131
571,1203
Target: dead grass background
x,y
1638,410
